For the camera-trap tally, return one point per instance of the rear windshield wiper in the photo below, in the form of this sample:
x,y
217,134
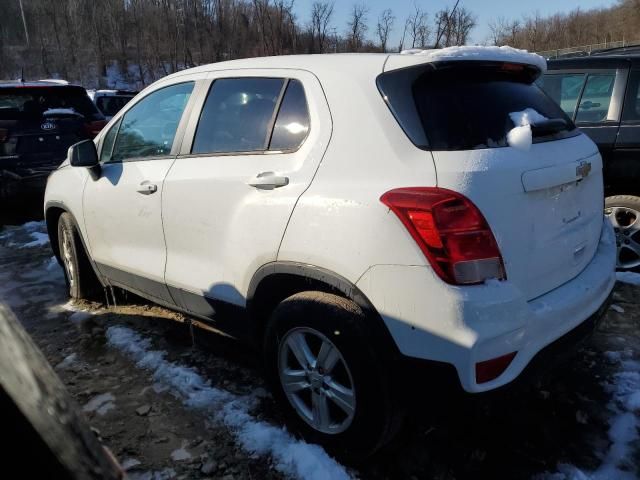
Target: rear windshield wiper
x,y
549,127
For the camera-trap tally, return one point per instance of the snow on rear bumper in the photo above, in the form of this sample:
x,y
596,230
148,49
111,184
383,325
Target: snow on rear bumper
x,y
431,320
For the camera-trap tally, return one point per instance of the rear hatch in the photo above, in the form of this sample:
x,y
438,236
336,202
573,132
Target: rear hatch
x,y
39,124
539,187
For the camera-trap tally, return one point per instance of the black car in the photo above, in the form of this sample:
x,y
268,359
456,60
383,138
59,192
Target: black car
x,y
601,93
39,121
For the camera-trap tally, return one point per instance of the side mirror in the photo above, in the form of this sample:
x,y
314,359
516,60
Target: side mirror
x,y
83,154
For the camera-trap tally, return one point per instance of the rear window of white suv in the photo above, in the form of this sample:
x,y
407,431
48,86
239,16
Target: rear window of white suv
x,y
466,105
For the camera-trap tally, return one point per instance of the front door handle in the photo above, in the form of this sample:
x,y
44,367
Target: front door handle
x,y
268,181
147,188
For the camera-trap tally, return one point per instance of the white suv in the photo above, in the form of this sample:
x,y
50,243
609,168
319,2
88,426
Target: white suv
x,y
350,215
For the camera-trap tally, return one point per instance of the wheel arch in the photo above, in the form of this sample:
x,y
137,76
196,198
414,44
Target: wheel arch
x,y
52,212
276,281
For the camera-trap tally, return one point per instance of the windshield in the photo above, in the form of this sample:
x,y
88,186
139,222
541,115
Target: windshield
x,y
451,109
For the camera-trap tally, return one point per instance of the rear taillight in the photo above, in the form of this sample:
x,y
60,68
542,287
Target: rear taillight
x,y
492,369
451,232
93,128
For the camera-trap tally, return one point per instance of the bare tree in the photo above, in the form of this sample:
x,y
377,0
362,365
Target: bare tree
x,y
357,27
418,29
384,26
321,13
499,29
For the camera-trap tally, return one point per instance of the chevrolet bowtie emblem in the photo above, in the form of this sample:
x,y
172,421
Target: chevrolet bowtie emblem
x,y
583,170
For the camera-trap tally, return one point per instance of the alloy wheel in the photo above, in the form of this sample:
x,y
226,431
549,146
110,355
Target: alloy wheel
x,y
316,380
67,257
626,225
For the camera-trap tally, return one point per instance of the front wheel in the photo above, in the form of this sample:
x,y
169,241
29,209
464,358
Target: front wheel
x,y
329,377
623,211
81,279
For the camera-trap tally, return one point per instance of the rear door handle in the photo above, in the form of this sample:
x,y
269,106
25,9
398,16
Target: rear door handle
x,y
268,181
147,188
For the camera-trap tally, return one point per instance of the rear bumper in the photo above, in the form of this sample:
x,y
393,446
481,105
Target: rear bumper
x,y
462,326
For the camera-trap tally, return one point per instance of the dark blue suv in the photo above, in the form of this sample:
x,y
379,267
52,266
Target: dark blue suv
x,y
39,121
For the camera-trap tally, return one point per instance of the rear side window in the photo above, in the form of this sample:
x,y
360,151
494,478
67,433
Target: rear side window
x,y
631,109
594,104
564,89
465,107
292,123
237,115
149,127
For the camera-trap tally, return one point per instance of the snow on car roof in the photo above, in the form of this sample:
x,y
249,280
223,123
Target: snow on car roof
x,y
498,54
363,64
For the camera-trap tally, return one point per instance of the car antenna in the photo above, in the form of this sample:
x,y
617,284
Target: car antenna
x,y
21,74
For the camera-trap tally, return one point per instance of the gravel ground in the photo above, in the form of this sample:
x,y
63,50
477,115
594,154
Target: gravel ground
x,y
581,419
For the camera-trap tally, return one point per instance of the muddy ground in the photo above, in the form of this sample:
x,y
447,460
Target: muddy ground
x,y
555,428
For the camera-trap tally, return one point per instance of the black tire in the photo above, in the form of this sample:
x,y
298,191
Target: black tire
x,y
377,416
78,272
623,211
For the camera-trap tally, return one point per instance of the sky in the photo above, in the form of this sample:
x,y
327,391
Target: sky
x,y
485,11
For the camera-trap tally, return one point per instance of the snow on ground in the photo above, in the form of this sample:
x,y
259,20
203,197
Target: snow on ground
x,y
290,456
628,277
100,404
39,239
29,235
67,362
618,462
616,308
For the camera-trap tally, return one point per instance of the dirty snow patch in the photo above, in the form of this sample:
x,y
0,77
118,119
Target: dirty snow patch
x,y
618,461
165,474
39,239
628,277
67,362
616,308
100,404
180,454
52,264
80,316
129,463
520,136
290,456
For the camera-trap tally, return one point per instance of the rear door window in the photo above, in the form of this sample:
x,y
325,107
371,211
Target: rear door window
x,y
238,115
292,122
564,89
631,109
594,104
466,107
148,129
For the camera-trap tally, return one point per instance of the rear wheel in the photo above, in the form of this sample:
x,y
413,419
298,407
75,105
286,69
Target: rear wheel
x,y
623,211
326,372
81,279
